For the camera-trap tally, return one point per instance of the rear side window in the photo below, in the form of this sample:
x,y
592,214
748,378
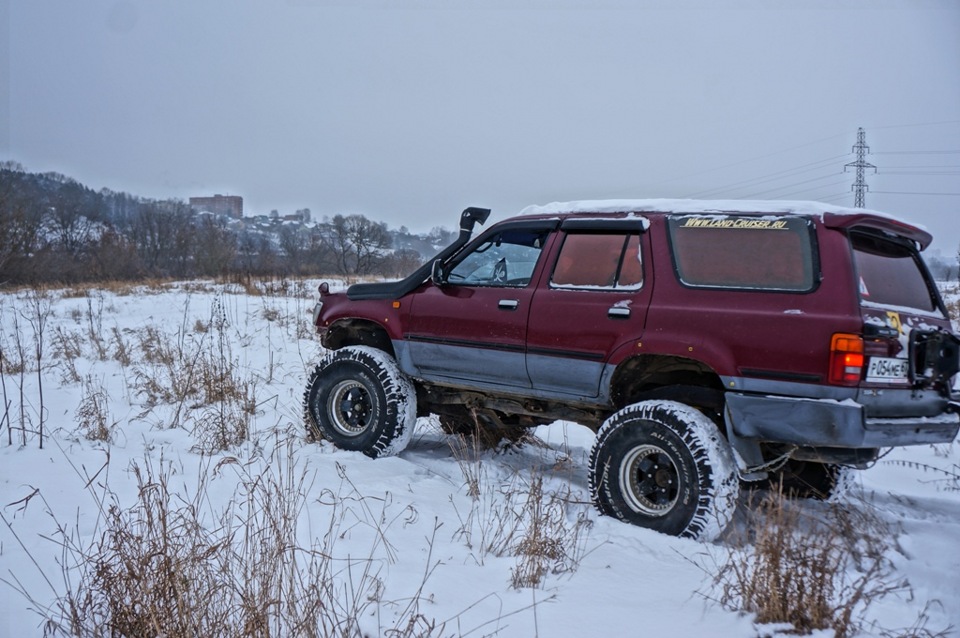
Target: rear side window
x,y
754,253
599,260
890,273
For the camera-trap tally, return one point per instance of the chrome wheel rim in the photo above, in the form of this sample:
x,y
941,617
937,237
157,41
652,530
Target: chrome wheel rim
x,y
352,408
649,480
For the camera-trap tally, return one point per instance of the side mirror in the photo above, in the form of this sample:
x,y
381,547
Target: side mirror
x,y
436,274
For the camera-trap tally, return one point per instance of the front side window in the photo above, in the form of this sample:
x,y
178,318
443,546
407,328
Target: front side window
x,y
890,273
599,260
737,251
504,259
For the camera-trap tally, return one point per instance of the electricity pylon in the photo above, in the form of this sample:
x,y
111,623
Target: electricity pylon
x,y
859,185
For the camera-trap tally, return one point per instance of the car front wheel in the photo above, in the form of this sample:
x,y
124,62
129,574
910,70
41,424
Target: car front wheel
x,y
358,399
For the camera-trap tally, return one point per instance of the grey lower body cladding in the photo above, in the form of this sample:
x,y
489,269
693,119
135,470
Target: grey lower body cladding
x,y
812,422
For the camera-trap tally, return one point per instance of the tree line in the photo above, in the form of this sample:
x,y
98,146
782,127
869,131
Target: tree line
x,y
54,229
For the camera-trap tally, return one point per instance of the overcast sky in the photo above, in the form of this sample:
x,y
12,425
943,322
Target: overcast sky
x,y
409,110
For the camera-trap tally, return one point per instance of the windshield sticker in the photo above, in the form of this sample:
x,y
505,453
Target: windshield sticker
x,y
738,223
863,288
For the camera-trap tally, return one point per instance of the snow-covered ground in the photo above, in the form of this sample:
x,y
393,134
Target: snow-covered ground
x,y
433,525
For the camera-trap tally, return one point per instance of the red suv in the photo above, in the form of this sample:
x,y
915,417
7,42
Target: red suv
x,y
707,343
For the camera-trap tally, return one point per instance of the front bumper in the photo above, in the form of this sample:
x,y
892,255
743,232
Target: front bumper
x,y
830,423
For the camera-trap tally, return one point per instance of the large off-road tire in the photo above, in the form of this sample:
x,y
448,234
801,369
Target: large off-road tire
x,y
665,466
358,399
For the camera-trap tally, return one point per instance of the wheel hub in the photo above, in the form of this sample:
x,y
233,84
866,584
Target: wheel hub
x,y
351,407
649,481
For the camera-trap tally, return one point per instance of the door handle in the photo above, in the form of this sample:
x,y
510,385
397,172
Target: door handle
x,y
508,304
618,312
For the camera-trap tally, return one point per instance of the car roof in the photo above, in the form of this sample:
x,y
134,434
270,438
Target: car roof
x,y
831,216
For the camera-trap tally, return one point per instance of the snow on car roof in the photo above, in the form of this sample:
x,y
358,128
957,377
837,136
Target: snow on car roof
x,y
834,216
698,206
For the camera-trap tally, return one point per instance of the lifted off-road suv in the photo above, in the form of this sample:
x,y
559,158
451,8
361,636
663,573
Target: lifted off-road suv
x,y
707,343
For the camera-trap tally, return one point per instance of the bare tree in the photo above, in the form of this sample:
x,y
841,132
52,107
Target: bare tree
x,y
256,254
358,244
295,246
20,224
215,248
71,215
161,232
401,263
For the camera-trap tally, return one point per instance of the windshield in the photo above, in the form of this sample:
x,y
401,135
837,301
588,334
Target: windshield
x,y
891,273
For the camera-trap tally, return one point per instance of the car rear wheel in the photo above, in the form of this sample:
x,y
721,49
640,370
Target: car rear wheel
x,y
358,399
665,466
810,479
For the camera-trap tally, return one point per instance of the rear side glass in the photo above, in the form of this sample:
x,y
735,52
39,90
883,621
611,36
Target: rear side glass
x,y
754,253
599,260
631,268
890,274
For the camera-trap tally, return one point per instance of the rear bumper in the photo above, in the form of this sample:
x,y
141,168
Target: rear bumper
x,y
830,423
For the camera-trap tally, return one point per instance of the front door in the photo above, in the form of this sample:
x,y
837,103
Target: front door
x,y
474,326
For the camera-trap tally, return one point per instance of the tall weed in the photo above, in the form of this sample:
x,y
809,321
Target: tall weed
x,y
813,569
172,564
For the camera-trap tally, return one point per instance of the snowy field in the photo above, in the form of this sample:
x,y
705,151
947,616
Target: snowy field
x,y
192,393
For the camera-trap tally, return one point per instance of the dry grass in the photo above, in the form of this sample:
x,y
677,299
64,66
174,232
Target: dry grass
x,y
552,540
545,530
93,413
121,349
468,453
193,371
813,569
119,288
171,564
953,308
67,348
951,297
197,373
946,479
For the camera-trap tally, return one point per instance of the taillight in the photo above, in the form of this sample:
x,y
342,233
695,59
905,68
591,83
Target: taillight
x,y
846,359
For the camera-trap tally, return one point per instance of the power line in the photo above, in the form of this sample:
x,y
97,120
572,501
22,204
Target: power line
x,y
911,193
832,197
915,125
769,177
799,146
925,166
885,172
785,195
785,186
752,159
916,152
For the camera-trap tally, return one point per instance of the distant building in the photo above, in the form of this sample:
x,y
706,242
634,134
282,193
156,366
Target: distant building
x,y
230,205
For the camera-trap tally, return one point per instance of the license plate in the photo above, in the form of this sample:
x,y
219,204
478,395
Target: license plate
x,y
888,370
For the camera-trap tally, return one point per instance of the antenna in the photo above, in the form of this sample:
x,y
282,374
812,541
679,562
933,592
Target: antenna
x,y
859,185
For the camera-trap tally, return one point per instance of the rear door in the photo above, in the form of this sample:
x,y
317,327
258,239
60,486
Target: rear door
x,y
474,327
594,300
904,317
